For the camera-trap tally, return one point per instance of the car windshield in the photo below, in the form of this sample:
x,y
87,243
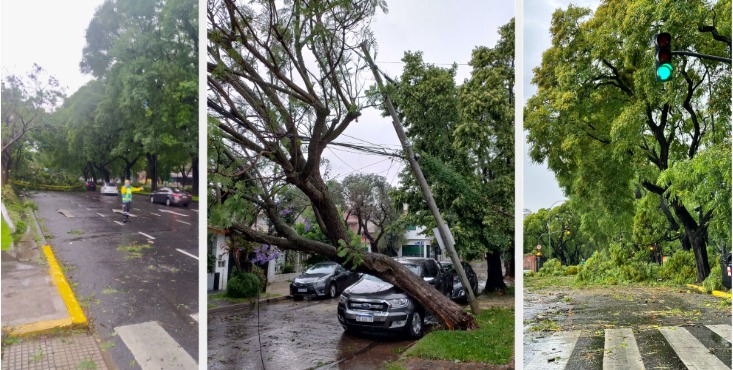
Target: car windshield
x,y
321,268
373,278
414,268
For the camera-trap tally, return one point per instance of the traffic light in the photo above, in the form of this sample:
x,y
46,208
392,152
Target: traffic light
x,y
663,56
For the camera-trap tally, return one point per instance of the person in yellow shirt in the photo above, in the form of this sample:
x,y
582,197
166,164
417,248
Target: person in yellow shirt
x,y
126,192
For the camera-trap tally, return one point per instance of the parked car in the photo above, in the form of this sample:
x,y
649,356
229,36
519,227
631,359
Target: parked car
x,y
375,305
725,265
458,293
109,189
322,279
90,186
170,195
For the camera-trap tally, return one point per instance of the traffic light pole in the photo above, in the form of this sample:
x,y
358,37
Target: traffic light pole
x,y
417,171
702,56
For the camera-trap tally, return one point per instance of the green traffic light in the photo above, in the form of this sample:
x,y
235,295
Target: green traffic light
x,y
664,72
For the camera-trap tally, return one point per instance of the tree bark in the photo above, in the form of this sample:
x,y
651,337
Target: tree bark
x,y
195,175
152,170
495,278
386,268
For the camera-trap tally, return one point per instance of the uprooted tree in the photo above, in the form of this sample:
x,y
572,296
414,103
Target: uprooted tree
x,y
284,82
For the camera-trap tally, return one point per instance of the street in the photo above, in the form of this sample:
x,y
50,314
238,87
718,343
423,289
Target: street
x,y
625,327
295,335
136,281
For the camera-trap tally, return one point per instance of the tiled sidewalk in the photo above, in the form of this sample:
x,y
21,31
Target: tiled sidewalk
x,y
72,351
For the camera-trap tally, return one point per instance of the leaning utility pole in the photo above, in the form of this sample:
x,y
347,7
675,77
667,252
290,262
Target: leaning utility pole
x,y
423,186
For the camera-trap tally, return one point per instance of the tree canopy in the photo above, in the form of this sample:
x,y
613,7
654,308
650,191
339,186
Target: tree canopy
x,y
626,147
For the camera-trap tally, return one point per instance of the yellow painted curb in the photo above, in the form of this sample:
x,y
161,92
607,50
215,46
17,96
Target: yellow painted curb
x,y
715,293
72,305
38,327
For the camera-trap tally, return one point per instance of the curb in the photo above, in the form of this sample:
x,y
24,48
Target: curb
x,y
76,318
715,293
247,304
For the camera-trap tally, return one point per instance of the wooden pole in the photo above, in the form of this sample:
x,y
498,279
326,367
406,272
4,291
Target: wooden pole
x,y
424,186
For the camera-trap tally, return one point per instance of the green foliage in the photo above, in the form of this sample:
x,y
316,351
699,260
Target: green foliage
x,y
625,147
288,269
210,262
679,268
6,239
715,280
243,285
571,270
352,252
552,267
465,138
618,265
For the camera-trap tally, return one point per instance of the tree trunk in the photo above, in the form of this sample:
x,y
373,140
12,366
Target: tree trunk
x,y
495,279
152,170
696,236
195,175
509,267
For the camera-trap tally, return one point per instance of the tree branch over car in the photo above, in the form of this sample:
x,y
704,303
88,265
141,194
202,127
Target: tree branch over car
x,y
279,76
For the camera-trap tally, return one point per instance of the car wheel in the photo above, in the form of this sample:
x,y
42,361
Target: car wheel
x,y
332,290
415,328
152,200
168,201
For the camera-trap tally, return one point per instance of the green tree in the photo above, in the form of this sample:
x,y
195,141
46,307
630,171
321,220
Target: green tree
x,y
464,137
612,133
26,102
368,199
284,82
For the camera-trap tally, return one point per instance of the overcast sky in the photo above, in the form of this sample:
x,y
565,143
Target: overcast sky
x,y
540,186
446,32
49,33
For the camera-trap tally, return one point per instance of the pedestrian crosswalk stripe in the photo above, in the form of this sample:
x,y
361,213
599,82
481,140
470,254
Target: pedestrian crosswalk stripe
x,y
555,352
118,223
723,330
620,351
692,353
183,222
195,316
154,348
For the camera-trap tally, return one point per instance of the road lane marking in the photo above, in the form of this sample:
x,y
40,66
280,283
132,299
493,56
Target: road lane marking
x,y
119,223
195,210
558,348
188,254
183,222
154,348
148,236
101,215
195,316
692,353
65,213
723,330
175,213
154,214
120,212
620,351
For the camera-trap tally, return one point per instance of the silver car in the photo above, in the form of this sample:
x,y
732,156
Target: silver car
x,y
109,189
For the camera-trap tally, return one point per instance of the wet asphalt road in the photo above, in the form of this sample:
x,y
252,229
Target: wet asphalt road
x,y
644,309
117,287
295,335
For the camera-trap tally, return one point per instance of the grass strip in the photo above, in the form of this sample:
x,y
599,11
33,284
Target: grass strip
x,y
492,343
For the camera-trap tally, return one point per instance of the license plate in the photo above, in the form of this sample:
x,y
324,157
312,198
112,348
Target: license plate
x,y
364,318
302,290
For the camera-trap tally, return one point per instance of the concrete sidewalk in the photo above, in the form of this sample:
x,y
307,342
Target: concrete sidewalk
x,y
39,310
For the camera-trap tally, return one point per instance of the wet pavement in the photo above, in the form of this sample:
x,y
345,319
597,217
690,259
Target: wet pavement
x,y
127,273
294,335
595,314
